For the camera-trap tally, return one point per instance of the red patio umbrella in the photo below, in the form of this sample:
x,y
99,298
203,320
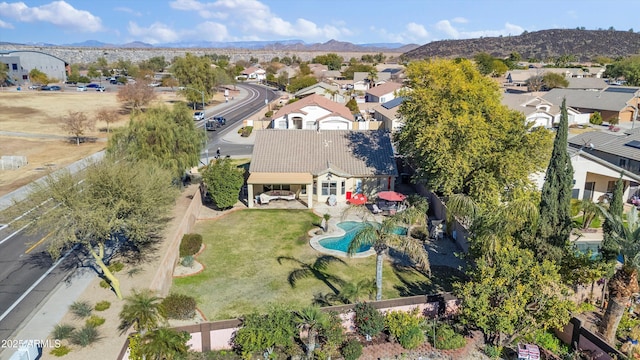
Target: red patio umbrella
x,y
391,196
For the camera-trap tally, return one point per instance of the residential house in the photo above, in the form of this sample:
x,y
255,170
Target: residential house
x,y
619,149
540,112
587,83
387,113
254,73
331,92
315,165
396,74
382,93
362,80
313,112
519,77
615,103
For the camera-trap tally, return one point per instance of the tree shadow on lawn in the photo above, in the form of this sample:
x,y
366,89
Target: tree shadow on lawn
x,y
442,280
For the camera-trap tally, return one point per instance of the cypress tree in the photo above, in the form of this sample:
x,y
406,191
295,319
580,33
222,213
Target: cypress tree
x,y
616,209
555,223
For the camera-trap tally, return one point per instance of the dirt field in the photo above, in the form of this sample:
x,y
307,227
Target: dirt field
x,y
30,126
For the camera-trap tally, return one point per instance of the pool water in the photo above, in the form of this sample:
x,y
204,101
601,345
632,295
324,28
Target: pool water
x,y
351,228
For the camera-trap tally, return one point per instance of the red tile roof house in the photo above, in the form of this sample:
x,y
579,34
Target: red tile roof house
x,y
317,164
382,93
314,112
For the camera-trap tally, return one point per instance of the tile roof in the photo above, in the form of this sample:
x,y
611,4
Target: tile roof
x,y
597,100
358,153
317,100
609,143
320,84
383,89
586,83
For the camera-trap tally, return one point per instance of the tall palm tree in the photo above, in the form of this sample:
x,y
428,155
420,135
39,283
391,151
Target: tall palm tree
x,y
624,283
310,319
143,310
317,269
165,344
383,236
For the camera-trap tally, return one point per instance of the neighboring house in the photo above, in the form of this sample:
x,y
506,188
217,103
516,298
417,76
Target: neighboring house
x,y
394,73
317,164
613,103
314,112
520,77
20,62
387,113
362,81
541,112
587,83
382,93
621,150
254,73
331,92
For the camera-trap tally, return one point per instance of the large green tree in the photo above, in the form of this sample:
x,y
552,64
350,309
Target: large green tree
x,y
332,60
165,136
461,139
197,73
513,296
553,80
383,236
38,77
608,248
554,226
627,68
165,344
224,181
118,206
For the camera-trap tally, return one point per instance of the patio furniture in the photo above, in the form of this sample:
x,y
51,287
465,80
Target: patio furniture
x,y
267,196
357,199
375,209
332,200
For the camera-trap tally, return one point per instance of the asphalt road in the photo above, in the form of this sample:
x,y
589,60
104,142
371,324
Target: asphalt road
x,y
235,113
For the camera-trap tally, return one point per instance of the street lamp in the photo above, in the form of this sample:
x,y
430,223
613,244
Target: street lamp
x,y
200,91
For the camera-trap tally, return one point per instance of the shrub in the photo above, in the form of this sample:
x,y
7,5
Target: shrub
x,y
60,351
62,331
115,267
405,328
550,342
102,306
368,320
95,321
268,114
104,283
447,338
85,336
187,261
246,131
494,352
190,244
81,309
222,355
595,118
179,306
351,350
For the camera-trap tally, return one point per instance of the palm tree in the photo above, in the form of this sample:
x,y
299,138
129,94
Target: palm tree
x,y
332,92
143,310
164,344
373,76
318,270
310,319
383,236
625,238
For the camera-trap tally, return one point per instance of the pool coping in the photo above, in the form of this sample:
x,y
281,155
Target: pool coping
x,y
337,231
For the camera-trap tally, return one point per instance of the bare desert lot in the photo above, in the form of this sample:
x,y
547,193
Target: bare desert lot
x,y
30,126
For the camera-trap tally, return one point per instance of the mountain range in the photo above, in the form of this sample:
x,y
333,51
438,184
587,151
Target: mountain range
x,y
286,45
585,45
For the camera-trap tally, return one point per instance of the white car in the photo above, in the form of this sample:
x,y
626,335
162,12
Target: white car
x,y
81,88
198,115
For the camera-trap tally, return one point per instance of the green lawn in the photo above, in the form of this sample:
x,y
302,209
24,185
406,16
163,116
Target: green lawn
x,y
242,273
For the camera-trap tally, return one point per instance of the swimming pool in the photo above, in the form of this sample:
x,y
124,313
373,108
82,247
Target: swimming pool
x,y
351,228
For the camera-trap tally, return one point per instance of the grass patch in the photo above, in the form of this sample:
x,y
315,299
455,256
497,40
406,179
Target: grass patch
x,y
596,223
250,242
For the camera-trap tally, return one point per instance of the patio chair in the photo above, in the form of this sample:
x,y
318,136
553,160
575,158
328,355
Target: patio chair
x,y
375,209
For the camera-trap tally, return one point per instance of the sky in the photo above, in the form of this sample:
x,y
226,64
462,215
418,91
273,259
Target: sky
x,y
312,21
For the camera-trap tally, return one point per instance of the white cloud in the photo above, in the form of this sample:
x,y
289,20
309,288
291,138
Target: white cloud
x,y
210,31
58,13
417,30
5,25
444,26
256,20
459,20
128,10
156,33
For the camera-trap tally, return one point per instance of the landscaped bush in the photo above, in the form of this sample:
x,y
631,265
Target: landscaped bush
x,y
60,351
115,267
220,355
190,244
446,338
405,328
102,306
246,131
268,114
595,118
368,320
351,350
62,331
95,321
187,261
494,352
85,336
105,284
549,341
81,309
179,306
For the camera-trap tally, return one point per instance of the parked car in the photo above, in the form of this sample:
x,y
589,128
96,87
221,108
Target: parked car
x,y
45,88
81,88
55,88
93,86
198,115
220,120
34,87
101,89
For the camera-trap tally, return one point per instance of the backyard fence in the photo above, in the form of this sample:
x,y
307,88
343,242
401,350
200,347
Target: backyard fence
x,y
10,162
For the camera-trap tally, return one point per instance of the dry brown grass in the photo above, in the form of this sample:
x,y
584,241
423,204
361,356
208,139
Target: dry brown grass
x,y
32,116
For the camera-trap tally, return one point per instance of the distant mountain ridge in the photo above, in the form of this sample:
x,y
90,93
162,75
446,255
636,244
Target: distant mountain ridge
x,y
288,45
584,44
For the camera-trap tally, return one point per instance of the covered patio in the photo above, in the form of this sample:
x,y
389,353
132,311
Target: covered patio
x,y
267,189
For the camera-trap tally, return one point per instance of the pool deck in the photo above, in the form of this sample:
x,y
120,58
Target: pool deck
x,y
340,213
